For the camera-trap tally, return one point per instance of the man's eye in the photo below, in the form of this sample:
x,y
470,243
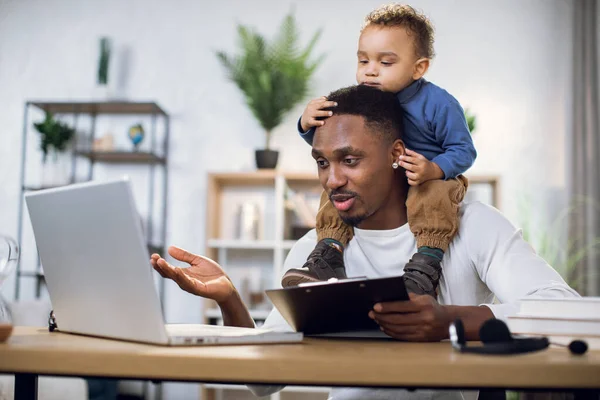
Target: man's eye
x,y
363,61
350,161
322,163
386,63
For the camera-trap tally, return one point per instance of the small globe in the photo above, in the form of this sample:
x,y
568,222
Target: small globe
x,y
136,135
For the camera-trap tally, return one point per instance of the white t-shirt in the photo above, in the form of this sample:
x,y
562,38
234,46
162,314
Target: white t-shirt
x,y
487,258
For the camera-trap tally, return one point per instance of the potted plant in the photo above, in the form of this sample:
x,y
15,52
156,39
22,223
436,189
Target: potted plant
x,y
273,76
102,82
54,139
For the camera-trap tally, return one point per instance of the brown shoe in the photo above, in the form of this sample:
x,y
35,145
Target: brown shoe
x,y
422,274
325,262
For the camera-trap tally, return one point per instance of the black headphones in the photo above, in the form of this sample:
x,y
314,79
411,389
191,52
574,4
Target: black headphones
x,y
497,339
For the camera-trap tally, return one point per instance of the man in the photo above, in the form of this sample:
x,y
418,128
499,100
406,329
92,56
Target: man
x,y
355,151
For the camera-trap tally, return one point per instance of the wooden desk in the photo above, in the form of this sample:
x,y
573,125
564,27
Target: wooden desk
x,y
317,362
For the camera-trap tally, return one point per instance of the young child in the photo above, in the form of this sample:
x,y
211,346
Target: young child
x,y
394,52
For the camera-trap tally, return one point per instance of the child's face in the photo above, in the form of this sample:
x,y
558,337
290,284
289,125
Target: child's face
x,y
386,58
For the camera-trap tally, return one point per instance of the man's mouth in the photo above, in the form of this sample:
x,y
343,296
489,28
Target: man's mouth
x,y
373,84
342,202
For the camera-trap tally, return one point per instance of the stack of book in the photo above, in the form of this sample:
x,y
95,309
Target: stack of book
x,y
561,320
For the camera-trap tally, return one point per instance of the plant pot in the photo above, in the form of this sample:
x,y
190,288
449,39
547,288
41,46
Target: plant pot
x,y
102,93
55,169
266,159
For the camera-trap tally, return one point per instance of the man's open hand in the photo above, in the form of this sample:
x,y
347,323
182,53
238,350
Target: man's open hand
x,y
419,169
203,277
422,319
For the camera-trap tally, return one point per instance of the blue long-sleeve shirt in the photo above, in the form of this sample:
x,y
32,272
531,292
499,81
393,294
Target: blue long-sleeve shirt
x,y
434,126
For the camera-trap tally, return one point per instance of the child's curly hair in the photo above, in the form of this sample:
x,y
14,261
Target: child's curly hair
x,y
415,23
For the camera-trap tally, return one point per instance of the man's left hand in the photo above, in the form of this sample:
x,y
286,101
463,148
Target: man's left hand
x,y
419,169
422,319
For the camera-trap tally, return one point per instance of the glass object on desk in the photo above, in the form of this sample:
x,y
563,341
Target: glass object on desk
x,y
9,256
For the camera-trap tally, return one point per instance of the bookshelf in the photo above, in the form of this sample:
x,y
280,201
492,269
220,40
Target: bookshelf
x,y
83,159
254,264
267,190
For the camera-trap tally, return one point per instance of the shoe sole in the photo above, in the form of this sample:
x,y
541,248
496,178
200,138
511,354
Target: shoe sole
x,y
291,279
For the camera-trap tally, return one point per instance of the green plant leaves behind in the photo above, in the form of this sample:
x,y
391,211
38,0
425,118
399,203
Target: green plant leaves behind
x,y
53,134
471,120
273,76
553,241
103,61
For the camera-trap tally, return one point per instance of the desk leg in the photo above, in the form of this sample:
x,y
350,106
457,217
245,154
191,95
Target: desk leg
x,y
487,394
26,387
587,394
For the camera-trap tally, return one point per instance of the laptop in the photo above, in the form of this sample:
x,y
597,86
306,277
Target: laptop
x,y
98,274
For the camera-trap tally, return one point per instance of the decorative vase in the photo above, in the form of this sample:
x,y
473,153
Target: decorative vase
x,y
55,169
102,92
266,159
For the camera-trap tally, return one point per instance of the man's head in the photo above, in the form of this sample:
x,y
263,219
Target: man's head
x,y
394,48
355,150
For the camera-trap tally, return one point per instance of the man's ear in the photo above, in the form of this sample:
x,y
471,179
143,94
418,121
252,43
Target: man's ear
x,y
421,67
398,150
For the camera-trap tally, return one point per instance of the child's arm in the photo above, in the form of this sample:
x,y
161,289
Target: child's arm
x,y
452,134
313,116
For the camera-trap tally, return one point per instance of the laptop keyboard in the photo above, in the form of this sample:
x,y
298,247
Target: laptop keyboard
x,y
197,330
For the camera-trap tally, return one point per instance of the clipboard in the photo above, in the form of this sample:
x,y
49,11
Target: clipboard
x,y
333,307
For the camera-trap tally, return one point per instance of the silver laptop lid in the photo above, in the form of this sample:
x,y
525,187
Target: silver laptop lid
x,y
95,261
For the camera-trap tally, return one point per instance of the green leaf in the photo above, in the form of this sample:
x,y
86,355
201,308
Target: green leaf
x,y
471,120
547,239
53,134
274,76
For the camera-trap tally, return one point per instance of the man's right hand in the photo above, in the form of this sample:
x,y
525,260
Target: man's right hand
x,y
203,277
314,110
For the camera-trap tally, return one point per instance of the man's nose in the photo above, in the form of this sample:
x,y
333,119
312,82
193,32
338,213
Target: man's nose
x,y
336,178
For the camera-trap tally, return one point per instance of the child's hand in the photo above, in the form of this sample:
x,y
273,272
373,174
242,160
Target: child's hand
x,y
419,169
314,110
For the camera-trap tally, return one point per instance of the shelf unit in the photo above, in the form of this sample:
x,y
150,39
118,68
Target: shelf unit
x,y
249,244
241,392
154,156
290,389
225,192
276,236
485,188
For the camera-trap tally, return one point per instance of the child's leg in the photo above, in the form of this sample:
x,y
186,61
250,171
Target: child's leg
x,y
433,218
327,259
330,225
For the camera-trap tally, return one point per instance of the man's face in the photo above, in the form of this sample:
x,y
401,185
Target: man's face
x,y
386,58
354,167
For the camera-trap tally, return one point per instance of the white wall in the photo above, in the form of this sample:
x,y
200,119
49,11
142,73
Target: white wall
x,y
509,61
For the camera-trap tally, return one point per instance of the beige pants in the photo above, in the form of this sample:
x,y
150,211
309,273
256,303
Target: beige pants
x,y
432,209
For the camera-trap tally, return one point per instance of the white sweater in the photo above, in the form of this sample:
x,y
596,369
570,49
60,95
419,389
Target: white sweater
x,y
487,258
